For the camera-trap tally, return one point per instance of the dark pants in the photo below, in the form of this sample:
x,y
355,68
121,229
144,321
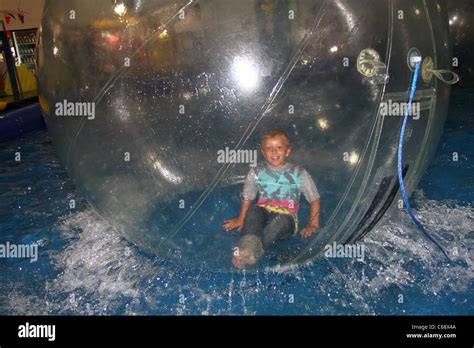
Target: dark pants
x,y
263,228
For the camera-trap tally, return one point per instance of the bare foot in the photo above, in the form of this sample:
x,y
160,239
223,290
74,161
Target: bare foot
x,y
243,257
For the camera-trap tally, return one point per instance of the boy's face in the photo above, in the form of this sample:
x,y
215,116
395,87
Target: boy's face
x,y
275,151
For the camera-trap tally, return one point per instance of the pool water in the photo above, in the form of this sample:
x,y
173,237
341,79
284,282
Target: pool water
x,y
85,268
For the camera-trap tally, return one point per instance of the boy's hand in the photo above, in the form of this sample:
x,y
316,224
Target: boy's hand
x,y
235,223
309,230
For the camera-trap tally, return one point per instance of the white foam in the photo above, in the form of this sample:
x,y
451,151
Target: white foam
x,y
97,262
101,273
401,257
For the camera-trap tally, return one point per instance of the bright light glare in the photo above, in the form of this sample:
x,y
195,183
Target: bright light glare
x,y
353,158
245,73
120,9
167,174
323,123
163,35
187,96
453,19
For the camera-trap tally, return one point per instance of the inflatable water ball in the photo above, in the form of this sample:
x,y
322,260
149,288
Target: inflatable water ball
x,y
142,98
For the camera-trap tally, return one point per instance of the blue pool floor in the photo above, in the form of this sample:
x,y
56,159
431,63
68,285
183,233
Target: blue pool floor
x,y
84,267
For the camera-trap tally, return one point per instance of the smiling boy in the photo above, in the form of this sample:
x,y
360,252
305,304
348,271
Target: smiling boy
x,y
278,185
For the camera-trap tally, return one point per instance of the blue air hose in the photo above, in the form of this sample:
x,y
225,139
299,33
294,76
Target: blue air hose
x,y
400,153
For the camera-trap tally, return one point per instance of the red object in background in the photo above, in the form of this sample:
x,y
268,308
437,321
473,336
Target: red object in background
x,y
10,40
111,42
8,19
113,39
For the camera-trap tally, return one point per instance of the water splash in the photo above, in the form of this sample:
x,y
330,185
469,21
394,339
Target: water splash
x,y
100,273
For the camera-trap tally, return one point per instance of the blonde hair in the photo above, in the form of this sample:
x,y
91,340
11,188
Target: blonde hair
x,y
274,134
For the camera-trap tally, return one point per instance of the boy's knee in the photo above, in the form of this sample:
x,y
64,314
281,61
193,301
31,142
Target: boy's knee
x,y
281,227
284,222
253,244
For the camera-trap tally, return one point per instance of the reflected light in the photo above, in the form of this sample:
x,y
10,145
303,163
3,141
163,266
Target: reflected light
x,y
163,34
347,15
138,4
353,158
120,9
323,123
245,73
55,51
187,96
167,174
417,12
333,49
453,19
203,91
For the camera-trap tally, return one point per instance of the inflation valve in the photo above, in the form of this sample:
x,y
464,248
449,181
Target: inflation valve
x,y
369,65
427,69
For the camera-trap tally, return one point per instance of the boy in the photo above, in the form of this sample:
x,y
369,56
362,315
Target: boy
x,y
278,185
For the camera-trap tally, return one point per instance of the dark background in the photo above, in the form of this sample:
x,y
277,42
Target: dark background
x,y
461,17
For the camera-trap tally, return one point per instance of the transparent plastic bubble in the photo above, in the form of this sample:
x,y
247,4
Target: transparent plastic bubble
x,y
140,96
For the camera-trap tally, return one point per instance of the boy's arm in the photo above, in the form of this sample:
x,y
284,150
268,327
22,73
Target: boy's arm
x,y
313,223
314,214
238,222
311,193
243,210
249,195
